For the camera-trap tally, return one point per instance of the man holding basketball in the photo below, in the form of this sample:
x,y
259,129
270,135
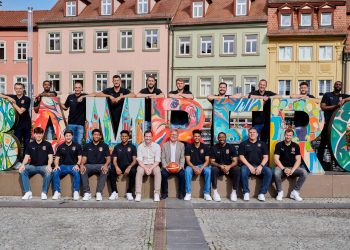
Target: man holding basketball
x,y
173,162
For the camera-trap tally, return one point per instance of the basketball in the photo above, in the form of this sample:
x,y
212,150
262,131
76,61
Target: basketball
x,y
173,168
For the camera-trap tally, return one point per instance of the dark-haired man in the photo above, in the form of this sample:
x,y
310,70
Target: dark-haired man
x,y
95,161
40,154
124,162
67,161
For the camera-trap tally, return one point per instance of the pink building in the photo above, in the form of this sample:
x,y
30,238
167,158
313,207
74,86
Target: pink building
x,y
90,41
14,49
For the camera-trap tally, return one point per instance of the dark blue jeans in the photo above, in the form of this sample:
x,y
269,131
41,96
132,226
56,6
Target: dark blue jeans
x,y
180,175
266,174
65,169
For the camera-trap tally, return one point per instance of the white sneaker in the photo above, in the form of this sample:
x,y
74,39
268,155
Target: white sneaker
x,y
246,197
113,196
87,197
43,196
187,197
216,196
279,196
76,196
207,197
156,197
295,195
261,197
233,195
98,196
129,197
138,197
28,195
56,195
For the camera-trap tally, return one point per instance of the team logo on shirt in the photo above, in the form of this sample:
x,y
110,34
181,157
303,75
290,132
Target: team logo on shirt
x,y
227,151
129,149
44,147
202,151
282,149
100,149
22,101
259,145
73,148
293,150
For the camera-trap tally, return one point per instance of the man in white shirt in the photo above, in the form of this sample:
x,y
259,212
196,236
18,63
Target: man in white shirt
x,y
148,157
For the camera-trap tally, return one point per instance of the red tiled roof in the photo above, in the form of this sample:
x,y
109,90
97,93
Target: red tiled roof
x,y
18,19
126,11
220,11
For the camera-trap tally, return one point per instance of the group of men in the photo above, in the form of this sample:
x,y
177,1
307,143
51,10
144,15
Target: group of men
x,y
221,159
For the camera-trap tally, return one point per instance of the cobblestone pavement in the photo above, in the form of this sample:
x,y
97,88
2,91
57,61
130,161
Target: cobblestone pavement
x,y
41,228
275,228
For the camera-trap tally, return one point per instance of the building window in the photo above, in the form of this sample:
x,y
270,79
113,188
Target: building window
x,y
184,46
142,6
251,44
305,53
228,44
286,20
230,84
241,7
77,41
102,41
23,80
147,74
54,78
249,84
187,82
21,50
126,78
324,86
126,42
206,45
101,81
106,7
2,51
205,86
77,77
71,8
151,39
54,42
305,20
197,9
309,82
326,53
326,19
284,87
2,84
285,53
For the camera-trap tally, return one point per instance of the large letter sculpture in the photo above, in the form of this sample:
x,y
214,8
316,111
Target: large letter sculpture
x,y
132,119
311,131
340,136
9,145
50,109
160,126
222,109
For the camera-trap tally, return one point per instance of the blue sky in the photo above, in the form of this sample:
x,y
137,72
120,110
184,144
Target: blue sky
x,y
23,4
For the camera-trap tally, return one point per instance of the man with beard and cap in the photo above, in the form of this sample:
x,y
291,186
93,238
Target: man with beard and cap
x,y
150,92
330,102
224,161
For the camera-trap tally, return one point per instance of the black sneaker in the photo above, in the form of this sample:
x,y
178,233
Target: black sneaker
x,y
164,196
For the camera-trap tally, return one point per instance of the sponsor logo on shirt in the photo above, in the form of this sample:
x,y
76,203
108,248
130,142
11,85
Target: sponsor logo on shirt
x,y
100,149
282,149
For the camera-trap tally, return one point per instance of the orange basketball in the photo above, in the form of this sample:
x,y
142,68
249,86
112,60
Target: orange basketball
x,y
173,168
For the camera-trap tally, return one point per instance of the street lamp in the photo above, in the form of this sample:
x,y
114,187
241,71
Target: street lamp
x,y
30,55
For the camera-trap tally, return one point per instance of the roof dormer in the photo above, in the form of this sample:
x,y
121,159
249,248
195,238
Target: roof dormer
x,y
285,16
145,6
75,7
241,7
200,8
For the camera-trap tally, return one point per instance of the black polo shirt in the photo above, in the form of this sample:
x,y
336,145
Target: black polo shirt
x,y
301,119
259,117
39,153
197,155
38,99
148,102
179,117
253,152
287,153
116,108
330,99
69,153
223,155
77,110
96,154
124,154
24,120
